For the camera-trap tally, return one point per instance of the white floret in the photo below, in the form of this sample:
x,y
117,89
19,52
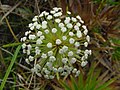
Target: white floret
x,y
49,45
44,55
85,44
71,33
64,38
71,40
49,17
31,58
46,31
58,41
54,30
77,44
69,25
63,29
70,53
50,53
39,33
73,60
57,20
39,41
64,60
84,63
79,34
32,37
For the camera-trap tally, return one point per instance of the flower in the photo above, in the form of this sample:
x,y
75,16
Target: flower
x,y
71,40
49,17
58,41
64,38
49,45
84,63
54,30
55,44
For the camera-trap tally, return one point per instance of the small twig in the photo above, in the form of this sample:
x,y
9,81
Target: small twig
x,y
11,30
37,7
10,11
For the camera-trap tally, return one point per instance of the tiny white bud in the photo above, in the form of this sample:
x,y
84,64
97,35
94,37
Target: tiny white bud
x,y
58,41
39,41
63,29
50,53
86,44
49,45
46,31
54,30
71,33
64,38
57,20
64,60
70,53
71,40
77,44
79,34
39,33
69,25
84,63
49,17
44,55
31,58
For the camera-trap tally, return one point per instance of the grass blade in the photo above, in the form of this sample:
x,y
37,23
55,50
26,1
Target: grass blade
x,y
10,67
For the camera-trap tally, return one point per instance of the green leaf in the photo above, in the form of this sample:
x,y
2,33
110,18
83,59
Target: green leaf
x,y
10,67
74,84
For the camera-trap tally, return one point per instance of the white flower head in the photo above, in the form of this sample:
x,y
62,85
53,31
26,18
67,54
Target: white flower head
x,y
54,43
